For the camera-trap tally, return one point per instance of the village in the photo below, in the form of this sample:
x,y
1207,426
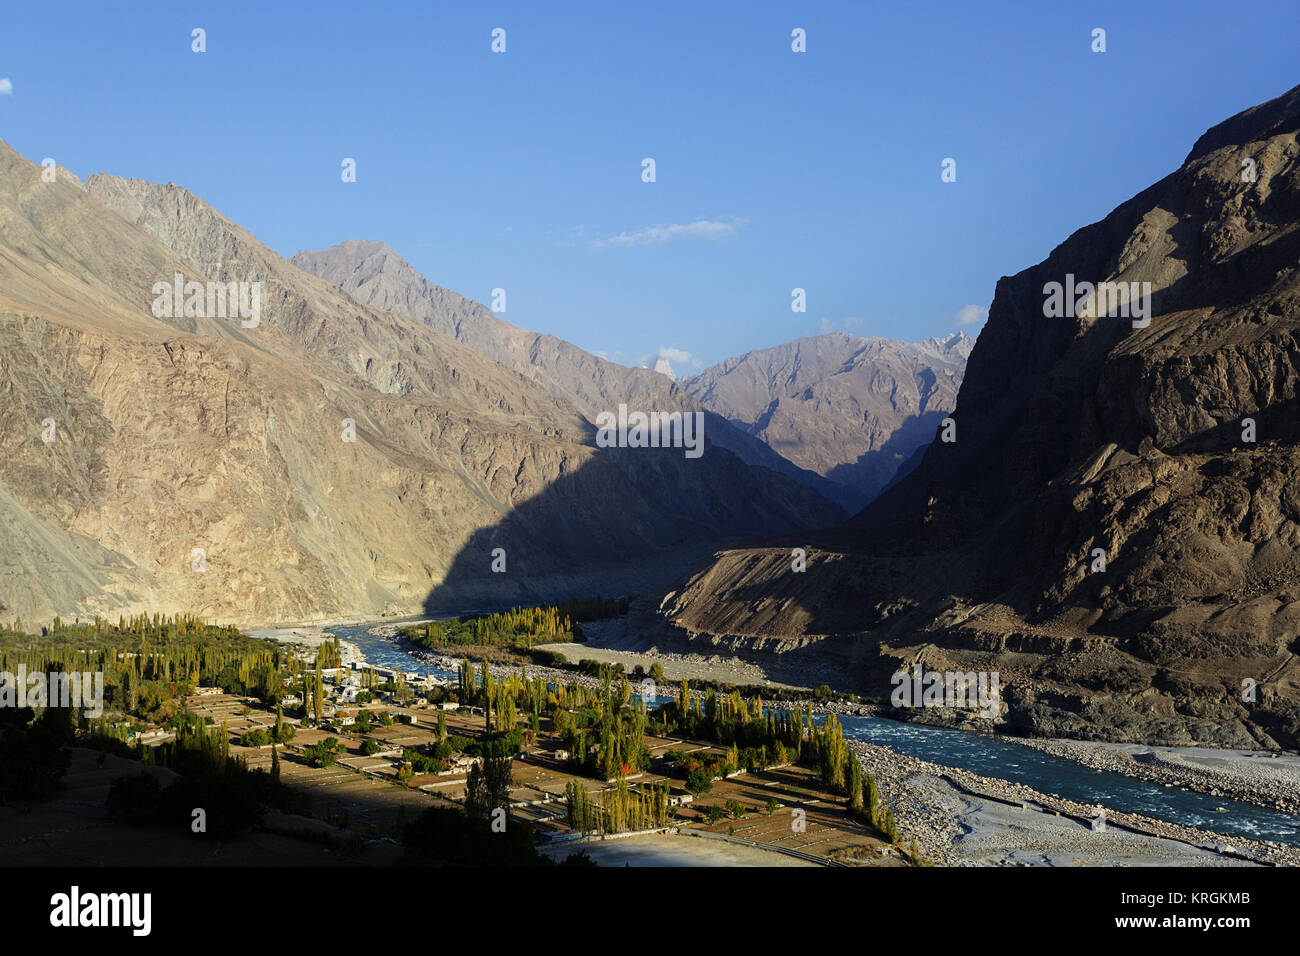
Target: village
x,y
371,787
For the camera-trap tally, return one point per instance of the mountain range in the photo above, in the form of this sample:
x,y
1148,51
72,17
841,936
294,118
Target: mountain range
x,y
853,410
333,461
839,413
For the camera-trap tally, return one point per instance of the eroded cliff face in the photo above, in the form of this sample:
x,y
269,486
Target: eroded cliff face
x,y
1085,437
190,464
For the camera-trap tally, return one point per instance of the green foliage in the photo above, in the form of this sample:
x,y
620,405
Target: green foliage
x,y
150,662
232,796
488,786
617,810
699,780
521,628
422,763
330,654
322,754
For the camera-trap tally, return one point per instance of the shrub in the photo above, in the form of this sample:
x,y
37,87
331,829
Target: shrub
x,y
699,780
322,754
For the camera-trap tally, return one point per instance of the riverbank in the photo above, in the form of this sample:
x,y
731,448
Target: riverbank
x,y
1261,777
959,818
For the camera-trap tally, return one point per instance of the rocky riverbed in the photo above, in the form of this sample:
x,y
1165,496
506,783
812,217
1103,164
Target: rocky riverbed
x,y
959,818
1264,778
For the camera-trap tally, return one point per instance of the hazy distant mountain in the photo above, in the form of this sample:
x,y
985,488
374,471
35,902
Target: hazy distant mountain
x,y
374,274
851,409
1116,529
191,464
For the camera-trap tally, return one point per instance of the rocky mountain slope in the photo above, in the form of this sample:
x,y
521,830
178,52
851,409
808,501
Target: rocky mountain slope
x,y
193,464
1085,437
853,410
374,274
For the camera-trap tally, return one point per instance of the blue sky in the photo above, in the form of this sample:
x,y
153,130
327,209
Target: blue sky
x,y
775,169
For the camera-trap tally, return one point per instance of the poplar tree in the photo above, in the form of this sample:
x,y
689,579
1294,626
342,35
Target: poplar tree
x,y
853,783
318,691
873,801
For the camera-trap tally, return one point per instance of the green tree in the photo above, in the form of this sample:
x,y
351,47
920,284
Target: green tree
x,y
476,796
872,801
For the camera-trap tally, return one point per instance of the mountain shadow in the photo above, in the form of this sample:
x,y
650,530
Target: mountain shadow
x,y
627,521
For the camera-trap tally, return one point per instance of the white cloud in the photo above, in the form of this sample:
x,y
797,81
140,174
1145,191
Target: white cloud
x,y
971,315
713,229
661,361
6,87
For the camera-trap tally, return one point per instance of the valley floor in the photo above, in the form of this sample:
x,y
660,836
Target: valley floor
x,y
961,818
